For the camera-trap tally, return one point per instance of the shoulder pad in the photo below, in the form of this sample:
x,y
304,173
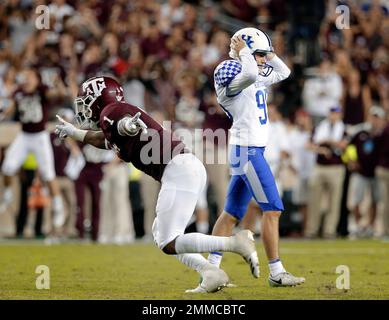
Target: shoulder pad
x,y
226,71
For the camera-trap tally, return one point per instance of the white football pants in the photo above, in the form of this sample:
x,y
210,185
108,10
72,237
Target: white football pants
x,y
37,143
182,182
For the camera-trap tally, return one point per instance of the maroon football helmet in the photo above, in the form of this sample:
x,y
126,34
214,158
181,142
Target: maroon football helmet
x,y
93,96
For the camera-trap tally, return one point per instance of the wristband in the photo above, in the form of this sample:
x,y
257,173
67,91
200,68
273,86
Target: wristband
x,y
79,134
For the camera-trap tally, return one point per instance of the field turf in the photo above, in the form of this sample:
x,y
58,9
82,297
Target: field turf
x,y
141,271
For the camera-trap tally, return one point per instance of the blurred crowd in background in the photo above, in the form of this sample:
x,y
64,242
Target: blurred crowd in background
x,y
329,125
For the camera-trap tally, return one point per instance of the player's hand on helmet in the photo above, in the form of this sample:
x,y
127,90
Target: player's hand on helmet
x,y
135,124
64,129
237,44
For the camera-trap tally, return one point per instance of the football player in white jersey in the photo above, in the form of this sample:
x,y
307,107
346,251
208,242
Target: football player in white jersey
x,y
240,86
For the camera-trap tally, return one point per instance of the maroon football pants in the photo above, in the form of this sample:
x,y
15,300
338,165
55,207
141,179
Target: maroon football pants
x,y
90,177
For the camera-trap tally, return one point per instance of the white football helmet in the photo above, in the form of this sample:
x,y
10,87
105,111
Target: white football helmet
x,y
258,42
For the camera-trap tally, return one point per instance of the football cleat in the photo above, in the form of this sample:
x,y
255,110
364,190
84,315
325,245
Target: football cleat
x,y
200,289
285,279
213,280
245,246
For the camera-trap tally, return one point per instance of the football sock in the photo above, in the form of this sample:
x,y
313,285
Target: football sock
x,y
197,243
202,227
57,204
276,267
194,261
8,195
215,258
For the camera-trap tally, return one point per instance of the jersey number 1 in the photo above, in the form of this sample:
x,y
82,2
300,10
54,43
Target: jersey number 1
x,y
261,104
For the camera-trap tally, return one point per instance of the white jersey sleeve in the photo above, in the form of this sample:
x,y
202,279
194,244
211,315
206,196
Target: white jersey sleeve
x,y
280,72
247,75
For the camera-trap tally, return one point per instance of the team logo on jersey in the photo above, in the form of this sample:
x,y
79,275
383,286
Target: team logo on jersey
x,y
94,87
248,39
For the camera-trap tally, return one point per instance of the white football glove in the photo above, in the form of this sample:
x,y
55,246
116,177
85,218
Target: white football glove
x,y
66,129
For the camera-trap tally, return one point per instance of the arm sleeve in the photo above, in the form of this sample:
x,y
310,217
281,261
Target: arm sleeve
x,y
237,75
280,71
248,74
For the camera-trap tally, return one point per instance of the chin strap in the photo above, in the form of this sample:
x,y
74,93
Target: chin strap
x,y
266,70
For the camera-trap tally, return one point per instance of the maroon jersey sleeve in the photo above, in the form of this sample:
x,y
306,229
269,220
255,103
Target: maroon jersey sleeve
x,y
32,109
149,152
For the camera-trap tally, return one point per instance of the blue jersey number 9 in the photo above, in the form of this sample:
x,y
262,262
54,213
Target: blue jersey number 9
x,y
261,104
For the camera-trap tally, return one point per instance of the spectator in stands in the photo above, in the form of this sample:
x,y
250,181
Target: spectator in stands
x,y
90,177
31,196
62,150
365,142
278,147
328,174
303,161
215,139
356,99
136,201
356,102
116,223
322,92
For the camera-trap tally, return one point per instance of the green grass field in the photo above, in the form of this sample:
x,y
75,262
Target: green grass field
x,y
141,271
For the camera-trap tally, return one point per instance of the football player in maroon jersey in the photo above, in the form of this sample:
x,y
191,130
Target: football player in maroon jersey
x,y
105,120
30,103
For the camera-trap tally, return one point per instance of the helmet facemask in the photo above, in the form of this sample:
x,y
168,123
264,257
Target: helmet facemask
x,y
84,112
